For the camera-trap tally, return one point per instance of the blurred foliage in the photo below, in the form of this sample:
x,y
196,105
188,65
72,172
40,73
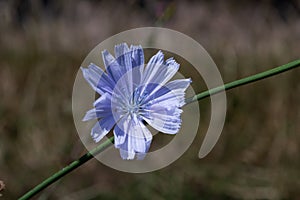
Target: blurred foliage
x,y
42,44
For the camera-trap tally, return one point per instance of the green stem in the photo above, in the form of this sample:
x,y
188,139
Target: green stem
x,y
245,81
197,97
67,169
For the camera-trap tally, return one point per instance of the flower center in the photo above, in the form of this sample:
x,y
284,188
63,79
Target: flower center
x,y
132,109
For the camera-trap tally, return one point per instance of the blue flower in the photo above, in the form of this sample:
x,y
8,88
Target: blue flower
x,y
133,95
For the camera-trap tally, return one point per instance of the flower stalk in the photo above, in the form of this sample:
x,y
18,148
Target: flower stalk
x,y
83,159
88,156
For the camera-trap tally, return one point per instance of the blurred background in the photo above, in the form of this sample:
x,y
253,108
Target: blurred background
x,y
42,44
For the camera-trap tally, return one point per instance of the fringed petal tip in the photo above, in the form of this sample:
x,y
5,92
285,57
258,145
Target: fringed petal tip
x,y
136,47
121,50
122,45
189,81
125,155
158,57
84,72
92,66
95,76
125,45
172,62
107,57
124,48
102,127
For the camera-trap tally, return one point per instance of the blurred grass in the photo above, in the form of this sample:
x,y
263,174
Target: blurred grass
x,y
257,156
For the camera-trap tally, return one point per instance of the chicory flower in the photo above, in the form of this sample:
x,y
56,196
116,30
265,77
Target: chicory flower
x,y
132,95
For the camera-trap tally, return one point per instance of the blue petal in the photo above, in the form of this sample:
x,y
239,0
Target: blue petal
x,y
129,57
104,101
167,71
179,84
137,64
153,66
91,114
122,92
113,69
98,80
119,136
103,106
164,72
132,137
132,65
171,94
102,127
126,91
164,119
162,112
137,55
158,72
123,57
127,154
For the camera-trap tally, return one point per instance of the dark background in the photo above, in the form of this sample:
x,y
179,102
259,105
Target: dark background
x,y
42,44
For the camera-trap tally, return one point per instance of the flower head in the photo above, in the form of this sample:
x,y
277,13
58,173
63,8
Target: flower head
x,y
132,95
